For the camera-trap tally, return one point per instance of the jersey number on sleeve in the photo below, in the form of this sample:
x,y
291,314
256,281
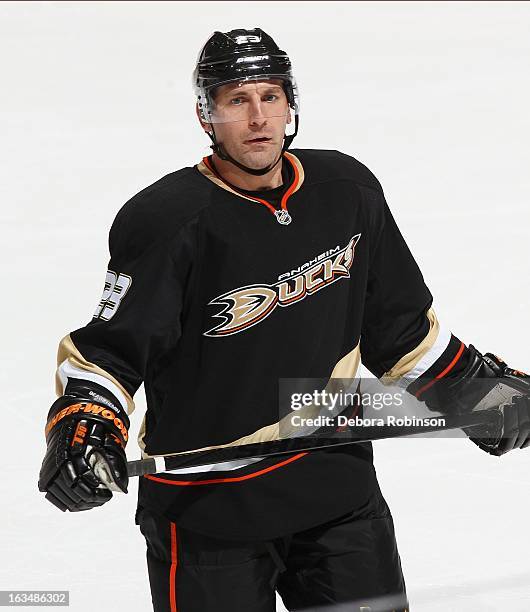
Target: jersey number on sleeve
x,y
116,286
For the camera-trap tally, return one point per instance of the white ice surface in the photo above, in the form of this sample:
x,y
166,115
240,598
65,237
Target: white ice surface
x,y
95,104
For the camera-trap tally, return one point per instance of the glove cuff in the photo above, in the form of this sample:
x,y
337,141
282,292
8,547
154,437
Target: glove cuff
x,y
72,409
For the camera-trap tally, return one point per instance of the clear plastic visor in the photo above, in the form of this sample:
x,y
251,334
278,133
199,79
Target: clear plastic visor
x,y
250,99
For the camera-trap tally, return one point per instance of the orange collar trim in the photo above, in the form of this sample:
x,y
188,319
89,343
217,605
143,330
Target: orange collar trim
x,y
206,169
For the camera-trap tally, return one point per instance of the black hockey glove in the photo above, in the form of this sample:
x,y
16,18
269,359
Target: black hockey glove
x,y
488,383
85,458
514,427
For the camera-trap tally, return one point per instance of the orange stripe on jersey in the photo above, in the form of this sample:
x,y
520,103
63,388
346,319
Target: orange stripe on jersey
x,y
295,185
173,569
444,372
248,197
185,483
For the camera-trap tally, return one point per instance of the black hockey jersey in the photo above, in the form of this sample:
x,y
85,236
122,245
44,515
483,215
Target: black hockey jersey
x,y
213,296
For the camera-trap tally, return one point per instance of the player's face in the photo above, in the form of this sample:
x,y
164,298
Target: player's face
x,y
250,121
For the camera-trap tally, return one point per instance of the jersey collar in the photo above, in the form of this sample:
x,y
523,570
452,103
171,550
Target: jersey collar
x,y
206,169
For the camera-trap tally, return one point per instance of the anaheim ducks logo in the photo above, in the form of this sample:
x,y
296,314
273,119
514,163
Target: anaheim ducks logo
x,y
248,306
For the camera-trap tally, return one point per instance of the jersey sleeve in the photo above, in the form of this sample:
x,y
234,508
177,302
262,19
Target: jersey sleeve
x,y
402,341
138,318
397,314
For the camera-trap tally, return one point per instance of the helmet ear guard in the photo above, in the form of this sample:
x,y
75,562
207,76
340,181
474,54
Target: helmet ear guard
x,y
242,56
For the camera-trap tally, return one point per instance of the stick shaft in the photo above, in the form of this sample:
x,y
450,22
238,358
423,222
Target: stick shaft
x,y
294,445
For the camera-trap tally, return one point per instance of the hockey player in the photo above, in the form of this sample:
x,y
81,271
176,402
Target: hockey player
x,y
256,264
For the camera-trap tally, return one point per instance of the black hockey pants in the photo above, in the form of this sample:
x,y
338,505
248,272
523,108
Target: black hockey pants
x,y
350,563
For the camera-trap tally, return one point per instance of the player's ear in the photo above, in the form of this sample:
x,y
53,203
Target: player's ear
x,y
207,127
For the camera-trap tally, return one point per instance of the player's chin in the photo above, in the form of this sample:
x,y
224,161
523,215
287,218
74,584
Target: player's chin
x,y
261,159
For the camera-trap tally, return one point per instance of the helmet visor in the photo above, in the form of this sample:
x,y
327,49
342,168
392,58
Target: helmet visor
x,y
253,98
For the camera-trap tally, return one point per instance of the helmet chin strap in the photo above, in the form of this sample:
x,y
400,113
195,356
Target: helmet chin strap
x,y
219,150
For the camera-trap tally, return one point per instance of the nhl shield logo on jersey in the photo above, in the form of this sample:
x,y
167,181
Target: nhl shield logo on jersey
x,y
247,306
283,217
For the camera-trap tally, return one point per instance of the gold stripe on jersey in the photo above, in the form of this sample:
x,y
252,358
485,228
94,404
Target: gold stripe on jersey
x,y
68,350
341,378
409,361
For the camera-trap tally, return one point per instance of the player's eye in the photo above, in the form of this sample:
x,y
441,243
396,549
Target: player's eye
x,y
271,97
236,101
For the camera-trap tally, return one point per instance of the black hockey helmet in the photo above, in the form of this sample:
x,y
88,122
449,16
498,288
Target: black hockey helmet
x,y
240,56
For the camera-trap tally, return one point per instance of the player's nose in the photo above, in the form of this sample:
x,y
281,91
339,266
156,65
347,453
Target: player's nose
x,y
256,110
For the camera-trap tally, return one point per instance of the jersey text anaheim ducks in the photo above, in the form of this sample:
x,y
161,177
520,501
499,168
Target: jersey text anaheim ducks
x,y
248,306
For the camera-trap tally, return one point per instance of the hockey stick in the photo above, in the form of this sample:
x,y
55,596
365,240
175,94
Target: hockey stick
x,y
167,463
